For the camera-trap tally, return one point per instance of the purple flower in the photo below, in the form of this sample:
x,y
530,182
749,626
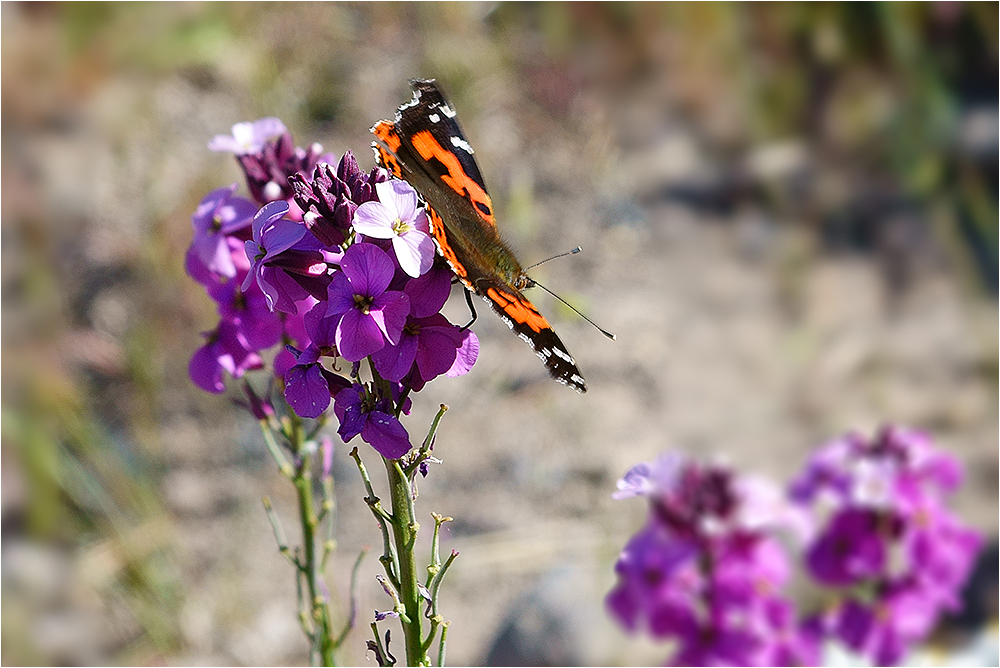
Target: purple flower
x,y
367,314
428,339
851,549
225,349
287,264
268,156
373,419
248,138
885,630
657,584
219,215
396,216
308,385
248,311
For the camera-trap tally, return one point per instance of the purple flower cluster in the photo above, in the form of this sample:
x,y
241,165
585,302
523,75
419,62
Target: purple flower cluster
x,y
704,571
330,263
886,539
707,571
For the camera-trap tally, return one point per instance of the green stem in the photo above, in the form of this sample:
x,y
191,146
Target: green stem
x,y
323,643
404,530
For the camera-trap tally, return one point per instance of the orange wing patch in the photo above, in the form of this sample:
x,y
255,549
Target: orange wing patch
x,y
440,235
519,309
387,160
456,178
386,132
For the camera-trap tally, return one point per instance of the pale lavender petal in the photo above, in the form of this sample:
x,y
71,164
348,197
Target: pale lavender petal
x,y
358,336
399,197
421,222
415,252
374,219
466,356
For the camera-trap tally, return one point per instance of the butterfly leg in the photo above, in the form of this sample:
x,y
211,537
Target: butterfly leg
x,y
472,309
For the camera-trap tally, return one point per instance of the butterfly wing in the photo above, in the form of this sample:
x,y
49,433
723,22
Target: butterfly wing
x,y
426,147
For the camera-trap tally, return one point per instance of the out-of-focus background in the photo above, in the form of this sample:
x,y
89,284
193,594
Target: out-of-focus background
x,y
789,216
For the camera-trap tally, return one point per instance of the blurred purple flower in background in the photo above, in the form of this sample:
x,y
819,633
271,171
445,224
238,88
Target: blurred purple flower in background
x,y
708,572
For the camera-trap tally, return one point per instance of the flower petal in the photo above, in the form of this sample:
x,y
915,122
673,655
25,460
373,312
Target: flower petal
x,y
415,252
465,356
389,311
429,292
369,269
386,434
399,197
306,390
394,362
374,219
358,336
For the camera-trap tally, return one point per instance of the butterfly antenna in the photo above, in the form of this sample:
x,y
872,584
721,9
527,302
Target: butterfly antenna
x,y
569,252
574,309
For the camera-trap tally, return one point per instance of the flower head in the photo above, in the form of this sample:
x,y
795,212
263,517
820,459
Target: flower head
x,y
287,262
248,138
218,216
361,413
367,313
396,216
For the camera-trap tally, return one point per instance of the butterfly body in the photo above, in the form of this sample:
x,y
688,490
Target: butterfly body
x,y
426,147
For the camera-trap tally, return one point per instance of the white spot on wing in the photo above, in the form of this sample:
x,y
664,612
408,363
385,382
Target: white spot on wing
x,y
447,111
434,118
563,356
458,142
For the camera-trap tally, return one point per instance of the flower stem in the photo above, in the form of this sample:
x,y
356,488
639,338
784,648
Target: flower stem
x,y
322,635
404,530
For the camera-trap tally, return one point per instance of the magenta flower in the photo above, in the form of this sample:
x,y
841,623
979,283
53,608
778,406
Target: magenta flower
x,y
850,550
225,350
287,264
219,215
373,419
396,216
309,386
428,339
367,314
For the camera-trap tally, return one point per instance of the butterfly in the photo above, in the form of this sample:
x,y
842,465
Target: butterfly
x,y
425,146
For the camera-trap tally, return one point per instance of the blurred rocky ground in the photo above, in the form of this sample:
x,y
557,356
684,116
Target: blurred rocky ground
x,y
788,216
